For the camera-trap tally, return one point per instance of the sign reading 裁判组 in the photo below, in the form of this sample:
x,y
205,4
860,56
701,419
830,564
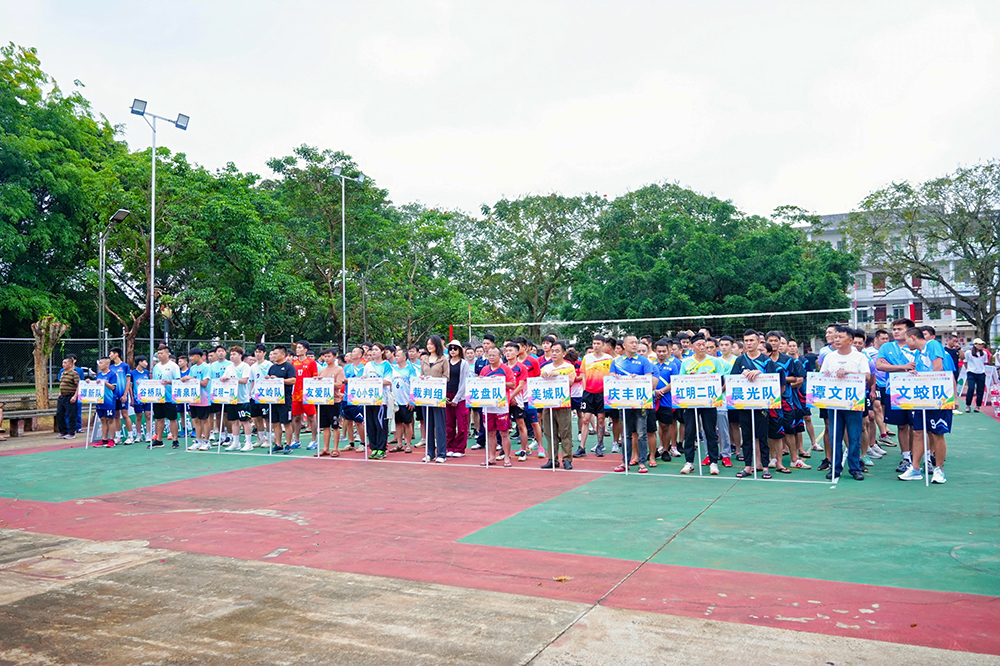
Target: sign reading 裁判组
x,y
701,390
831,392
762,393
364,391
621,392
319,391
486,392
922,390
429,392
151,391
551,393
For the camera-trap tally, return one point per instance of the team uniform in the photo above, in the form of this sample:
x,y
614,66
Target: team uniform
x,y
257,372
594,370
709,415
136,375
303,369
347,410
165,372
241,410
202,408
216,370
894,354
498,418
401,378
754,421
107,409
781,420
282,413
938,420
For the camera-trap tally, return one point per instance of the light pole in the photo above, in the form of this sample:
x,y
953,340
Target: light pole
x,y
364,296
102,241
338,173
139,109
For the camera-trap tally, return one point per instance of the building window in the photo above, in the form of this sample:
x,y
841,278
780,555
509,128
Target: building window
x,y
864,315
841,245
878,281
899,311
862,281
934,313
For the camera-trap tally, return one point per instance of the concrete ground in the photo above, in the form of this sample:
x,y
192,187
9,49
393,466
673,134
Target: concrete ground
x,y
74,601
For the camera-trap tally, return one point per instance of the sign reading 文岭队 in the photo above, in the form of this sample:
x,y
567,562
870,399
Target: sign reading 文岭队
x,y
703,390
549,393
621,392
762,393
429,392
269,391
922,390
831,392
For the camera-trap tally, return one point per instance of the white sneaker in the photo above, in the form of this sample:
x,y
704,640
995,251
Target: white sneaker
x,y
206,446
911,474
246,447
878,449
439,460
688,468
427,459
449,454
874,454
938,476
773,463
213,435
233,447
674,453
130,440
817,447
713,469
458,455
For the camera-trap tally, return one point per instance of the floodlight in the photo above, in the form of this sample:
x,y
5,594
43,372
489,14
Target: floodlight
x,y
361,179
336,171
182,121
138,107
120,215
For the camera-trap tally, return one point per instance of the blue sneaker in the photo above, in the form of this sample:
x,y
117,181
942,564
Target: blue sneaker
x,y
286,450
295,445
911,474
311,446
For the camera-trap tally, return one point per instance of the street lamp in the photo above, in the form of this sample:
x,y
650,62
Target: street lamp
x,y
338,173
364,296
181,122
102,241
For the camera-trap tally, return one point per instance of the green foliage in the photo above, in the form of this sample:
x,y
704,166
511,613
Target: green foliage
x,y
917,231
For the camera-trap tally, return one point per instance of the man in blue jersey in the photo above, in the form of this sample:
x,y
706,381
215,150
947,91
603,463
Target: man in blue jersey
x,y
881,380
782,421
937,422
631,364
140,409
892,357
751,364
352,416
662,401
122,370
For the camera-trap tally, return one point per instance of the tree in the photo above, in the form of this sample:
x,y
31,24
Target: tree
x,y
47,331
943,232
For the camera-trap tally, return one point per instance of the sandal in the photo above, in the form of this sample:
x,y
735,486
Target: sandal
x,y
620,468
408,449
743,473
492,463
334,454
642,469
396,449
783,470
766,475
507,463
652,463
323,454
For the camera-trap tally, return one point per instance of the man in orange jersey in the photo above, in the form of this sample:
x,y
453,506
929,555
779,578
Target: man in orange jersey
x,y
595,366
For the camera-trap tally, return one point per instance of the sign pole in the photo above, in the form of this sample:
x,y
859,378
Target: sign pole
x,y
427,424
90,421
626,440
753,436
270,444
486,430
697,442
552,439
833,450
927,451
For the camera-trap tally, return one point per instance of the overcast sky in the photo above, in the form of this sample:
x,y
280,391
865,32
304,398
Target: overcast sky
x,y
458,104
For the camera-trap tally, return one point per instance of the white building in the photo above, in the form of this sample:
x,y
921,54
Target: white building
x,y
879,302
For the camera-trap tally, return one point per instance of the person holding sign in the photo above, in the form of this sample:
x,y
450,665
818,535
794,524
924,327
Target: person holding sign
x,y
107,410
663,405
595,366
846,360
281,414
435,364
631,364
498,418
937,422
699,363
402,374
139,409
239,414
200,372
305,367
557,424
456,414
166,372
375,418
257,410
751,364
896,356
353,416
329,415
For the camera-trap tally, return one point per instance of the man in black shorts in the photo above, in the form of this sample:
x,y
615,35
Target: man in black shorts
x,y
282,414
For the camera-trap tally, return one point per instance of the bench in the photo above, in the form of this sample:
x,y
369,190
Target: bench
x,y
26,420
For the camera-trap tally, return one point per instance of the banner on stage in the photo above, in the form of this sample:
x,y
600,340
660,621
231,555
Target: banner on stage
x,y
545,393
621,392
762,393
224,391
704,390
428,392
91,392
364,391
150,390
319,391
486,392
922,390
831,392
269,391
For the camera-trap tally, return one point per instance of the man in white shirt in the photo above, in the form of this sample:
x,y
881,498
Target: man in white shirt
x,y
239,414
257,410
166,372
846,360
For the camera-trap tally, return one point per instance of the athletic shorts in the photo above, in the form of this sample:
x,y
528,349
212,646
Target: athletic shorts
x,y
869,404
329,416
350,412
610,413
651,425
200,413
881,394
105,413
498,422
404,415
823,413
938,420
165,410
281,413
798,420
121,404
238,412
592,403
257,410
664,415
575,403
531,413
418,414
893,415
141,407
299,408
214,409
779,424
678,414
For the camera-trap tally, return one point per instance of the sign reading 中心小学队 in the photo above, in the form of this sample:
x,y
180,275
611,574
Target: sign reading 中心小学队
x,y
151,391
831,392
91,392
428,392
269,391
546,393
701,390
762,393
319,391
224,391
621,392
364,391
486,392
922,390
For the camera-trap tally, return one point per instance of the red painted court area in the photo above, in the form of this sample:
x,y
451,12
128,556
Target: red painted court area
x,y
404,521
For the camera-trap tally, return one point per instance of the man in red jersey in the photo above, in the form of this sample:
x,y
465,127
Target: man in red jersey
x,y
304,367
